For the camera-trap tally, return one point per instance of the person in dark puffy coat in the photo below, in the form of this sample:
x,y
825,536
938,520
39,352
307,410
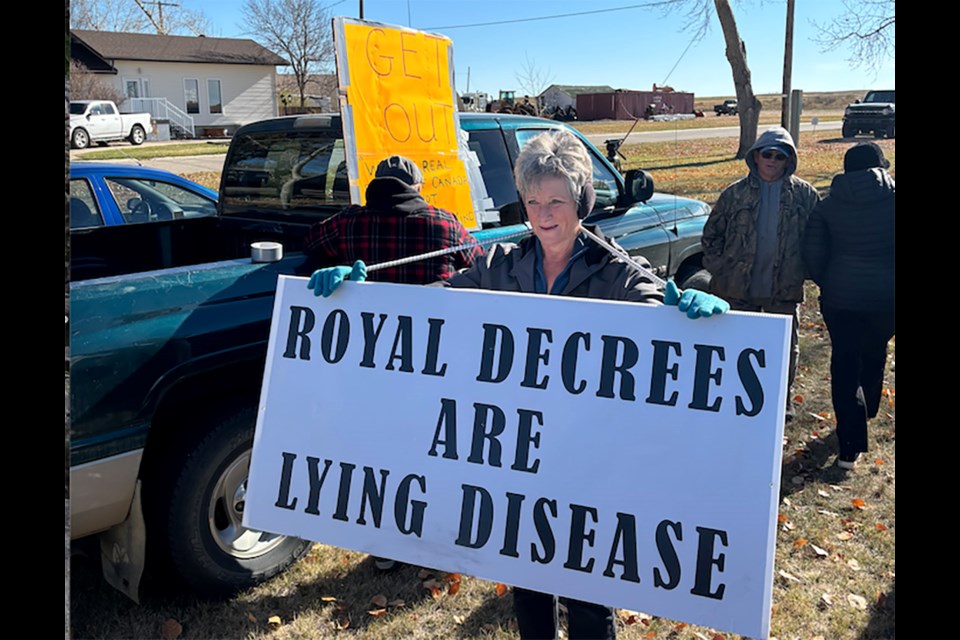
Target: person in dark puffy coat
x,y
849,249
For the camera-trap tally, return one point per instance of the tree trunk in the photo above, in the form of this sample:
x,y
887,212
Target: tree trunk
x,y
748,107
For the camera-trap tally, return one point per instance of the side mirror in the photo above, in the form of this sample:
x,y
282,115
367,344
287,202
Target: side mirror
x,y
639,185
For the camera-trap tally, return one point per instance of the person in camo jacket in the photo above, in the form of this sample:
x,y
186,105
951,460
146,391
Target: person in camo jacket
x,y
753,238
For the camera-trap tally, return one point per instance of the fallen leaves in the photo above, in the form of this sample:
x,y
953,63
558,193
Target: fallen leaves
x,y
170,629
857,602
377,613
820,551
826,599
853,564
436,582
878,461
453,588
788,576
845,535
799,542
798,399
379,600
858,504
889,394
274,622
880,526
500,589
822,493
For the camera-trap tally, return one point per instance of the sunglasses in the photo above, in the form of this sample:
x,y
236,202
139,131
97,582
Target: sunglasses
x,y
776,155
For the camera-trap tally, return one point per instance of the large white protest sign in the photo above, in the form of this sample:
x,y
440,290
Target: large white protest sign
x,y
612,452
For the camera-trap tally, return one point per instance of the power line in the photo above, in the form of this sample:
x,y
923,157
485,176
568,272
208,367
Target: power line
x,y
559,15
672,69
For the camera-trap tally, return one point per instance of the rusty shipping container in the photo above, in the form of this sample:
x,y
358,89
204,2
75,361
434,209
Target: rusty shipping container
x,y
627,105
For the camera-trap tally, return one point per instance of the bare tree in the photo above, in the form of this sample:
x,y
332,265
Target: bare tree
x,y
532,80
867,29
698,19
139,16
85,85
299,30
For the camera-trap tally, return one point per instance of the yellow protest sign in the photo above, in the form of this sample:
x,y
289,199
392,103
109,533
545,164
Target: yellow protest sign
x,y
397,97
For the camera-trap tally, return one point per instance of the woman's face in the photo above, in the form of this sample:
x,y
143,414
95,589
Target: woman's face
x,y
553,214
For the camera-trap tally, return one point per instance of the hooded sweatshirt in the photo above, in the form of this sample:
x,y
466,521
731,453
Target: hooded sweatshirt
x,y
752,240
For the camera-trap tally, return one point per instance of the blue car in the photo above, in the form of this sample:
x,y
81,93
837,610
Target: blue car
x,y
103,194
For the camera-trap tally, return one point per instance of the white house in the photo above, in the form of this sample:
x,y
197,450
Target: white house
x,y
209,85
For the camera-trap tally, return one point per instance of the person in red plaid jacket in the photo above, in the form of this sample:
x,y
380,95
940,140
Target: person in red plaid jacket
x,y
396,222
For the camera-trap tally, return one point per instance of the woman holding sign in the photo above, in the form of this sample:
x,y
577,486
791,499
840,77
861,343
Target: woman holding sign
x,y
554,178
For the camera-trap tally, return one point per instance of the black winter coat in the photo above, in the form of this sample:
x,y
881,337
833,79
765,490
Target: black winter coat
x,y
850,245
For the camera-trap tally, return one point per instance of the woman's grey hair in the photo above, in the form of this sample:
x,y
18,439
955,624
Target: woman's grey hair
x,y
554,154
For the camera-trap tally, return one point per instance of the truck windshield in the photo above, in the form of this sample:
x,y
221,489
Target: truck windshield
x,y
881,96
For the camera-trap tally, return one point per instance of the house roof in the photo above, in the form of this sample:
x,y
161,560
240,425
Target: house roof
x,y
577,89
146,46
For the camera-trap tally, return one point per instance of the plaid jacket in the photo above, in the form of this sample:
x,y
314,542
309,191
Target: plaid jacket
x,y
395,223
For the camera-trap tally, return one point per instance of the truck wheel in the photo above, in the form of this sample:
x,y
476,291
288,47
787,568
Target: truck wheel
x,y
848,131
137,135
892,130
699,280
80,139
208,546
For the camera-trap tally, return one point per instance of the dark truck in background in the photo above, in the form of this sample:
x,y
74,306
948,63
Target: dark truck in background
x,y
876,114
169,325
726,108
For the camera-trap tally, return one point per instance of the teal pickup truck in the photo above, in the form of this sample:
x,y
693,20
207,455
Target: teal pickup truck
x,y
169,325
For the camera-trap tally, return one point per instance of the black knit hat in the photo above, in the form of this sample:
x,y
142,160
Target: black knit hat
x,y
401,168
865,155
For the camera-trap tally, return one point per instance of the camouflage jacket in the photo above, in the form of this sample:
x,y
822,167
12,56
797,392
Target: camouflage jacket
x,y
730,239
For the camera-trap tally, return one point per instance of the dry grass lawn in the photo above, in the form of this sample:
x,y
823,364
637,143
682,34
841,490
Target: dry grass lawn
x,y
835,574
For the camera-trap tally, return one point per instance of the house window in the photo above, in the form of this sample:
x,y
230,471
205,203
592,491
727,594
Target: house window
x,y
133,89
191,94
213,94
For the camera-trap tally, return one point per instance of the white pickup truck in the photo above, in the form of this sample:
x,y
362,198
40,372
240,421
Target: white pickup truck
x,y
101,121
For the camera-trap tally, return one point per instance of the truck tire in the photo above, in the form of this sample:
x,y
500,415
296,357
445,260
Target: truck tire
x,y
80,139
699,280
137,135
208,547
892,130
848,131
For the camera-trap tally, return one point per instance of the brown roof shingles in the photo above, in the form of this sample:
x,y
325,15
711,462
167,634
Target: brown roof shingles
x,y
145,46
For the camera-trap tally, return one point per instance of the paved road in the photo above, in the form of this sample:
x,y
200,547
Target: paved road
x,y
695,134
190,164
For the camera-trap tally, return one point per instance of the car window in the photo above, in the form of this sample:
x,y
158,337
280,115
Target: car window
x,y
604,181
83,206
286,171
144,200
495,166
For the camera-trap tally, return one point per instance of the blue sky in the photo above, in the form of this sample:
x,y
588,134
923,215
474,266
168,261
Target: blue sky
x,y
631,48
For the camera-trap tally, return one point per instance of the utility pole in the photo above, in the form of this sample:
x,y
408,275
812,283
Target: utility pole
x,y
361,9
158,23
787,69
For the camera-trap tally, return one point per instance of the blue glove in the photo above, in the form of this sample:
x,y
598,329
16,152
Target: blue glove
x,y
697,304
325,281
